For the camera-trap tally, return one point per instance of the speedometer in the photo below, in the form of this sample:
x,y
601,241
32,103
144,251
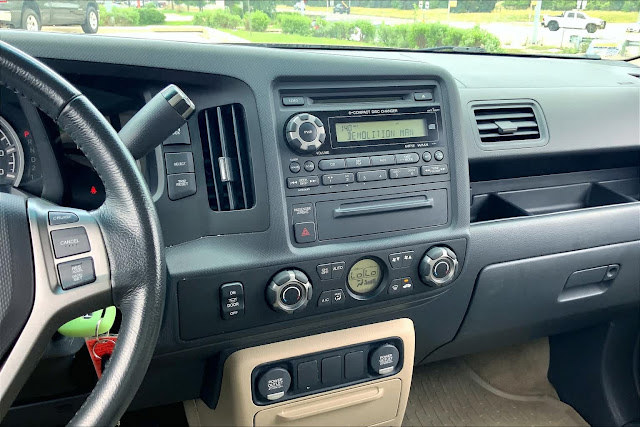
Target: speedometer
x,y
11,155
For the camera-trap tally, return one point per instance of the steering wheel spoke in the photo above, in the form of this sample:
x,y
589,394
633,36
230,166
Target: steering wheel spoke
x,y
71,278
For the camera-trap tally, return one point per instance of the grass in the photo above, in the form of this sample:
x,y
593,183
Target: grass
x,y
259,37
442,15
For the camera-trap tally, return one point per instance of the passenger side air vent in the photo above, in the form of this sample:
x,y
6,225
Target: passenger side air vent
x,y
509,125
227,158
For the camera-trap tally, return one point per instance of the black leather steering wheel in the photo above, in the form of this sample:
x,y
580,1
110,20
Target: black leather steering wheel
x,y
126,249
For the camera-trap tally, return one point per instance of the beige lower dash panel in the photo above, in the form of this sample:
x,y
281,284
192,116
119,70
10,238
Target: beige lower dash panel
x,y
361,406
379,402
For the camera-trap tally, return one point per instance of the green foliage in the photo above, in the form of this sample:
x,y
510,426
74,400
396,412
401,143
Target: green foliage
x,y
256,21
335,30
150,16
623,5
394,35
217,19
119,16
266,6
475,6
367,28
295,24
559,4
193,3
516,4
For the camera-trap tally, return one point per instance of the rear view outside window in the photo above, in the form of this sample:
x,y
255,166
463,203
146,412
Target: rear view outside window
x,y
596,28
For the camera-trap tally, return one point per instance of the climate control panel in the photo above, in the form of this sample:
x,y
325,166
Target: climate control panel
x,y
317,287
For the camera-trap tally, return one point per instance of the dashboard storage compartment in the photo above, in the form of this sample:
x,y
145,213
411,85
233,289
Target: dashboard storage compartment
x,y
345,218
539,201
629,188
487,207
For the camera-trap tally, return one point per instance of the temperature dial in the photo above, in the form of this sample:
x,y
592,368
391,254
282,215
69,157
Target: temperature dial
x,y
305,132
288,291
439,266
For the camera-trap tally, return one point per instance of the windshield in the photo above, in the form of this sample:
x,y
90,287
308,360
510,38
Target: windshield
x,y
592,28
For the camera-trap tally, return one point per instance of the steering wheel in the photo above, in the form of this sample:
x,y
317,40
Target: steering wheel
x,y
125,248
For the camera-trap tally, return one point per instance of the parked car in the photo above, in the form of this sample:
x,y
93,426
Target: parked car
x,y
634,28
342,7
31,15
573,19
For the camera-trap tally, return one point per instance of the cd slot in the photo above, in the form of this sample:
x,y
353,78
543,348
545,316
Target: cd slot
x,y
350,99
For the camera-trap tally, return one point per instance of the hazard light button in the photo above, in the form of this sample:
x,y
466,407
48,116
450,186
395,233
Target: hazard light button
x,y
305,232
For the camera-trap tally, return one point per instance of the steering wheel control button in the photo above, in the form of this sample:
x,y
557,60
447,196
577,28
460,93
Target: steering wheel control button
x,y
305,232
325,299
179,137
438,266
70,241
60,218
292,101
181,185
384,359
288,291
294,167
354,365
308,375
324,271
232,300
305,132
438,155
331,370
179,162
76,273
331,164
426,156
274,383
337,270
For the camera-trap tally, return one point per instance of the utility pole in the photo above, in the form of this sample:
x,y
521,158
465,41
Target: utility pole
x,y
536,22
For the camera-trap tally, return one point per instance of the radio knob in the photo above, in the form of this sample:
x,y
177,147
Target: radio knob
x,y
289,290
439,266
305,132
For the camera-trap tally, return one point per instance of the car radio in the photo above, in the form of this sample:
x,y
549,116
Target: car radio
x,y
366,168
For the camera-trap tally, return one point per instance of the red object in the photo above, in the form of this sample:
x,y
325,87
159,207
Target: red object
x,y
26,133
98,349
93,190
305,232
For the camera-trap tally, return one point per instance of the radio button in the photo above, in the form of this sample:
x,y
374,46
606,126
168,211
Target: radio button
x,y
367,176
434,170
303,181
426,156
309,166
403,173
358,162
383,161
407,158
439,155
292,100
423,96
331,164
339,178
294,167
308,131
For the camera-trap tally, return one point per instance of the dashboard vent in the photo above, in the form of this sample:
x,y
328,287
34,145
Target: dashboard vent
x,y
227,158
506,123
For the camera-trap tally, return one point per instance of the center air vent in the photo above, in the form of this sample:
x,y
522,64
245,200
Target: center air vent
x,y
227,158
506,123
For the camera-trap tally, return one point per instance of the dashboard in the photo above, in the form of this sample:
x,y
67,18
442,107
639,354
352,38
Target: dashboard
x,y
329,189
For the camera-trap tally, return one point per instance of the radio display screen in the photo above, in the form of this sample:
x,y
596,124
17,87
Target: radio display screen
x,y
380,130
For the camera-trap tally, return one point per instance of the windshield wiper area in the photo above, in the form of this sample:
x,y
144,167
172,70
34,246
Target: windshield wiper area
x,y
454,49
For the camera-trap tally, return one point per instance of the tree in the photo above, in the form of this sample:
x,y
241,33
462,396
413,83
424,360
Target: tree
x,y
475,6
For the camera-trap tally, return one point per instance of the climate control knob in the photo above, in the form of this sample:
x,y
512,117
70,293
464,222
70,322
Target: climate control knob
x,y
288,291
438,266
305,133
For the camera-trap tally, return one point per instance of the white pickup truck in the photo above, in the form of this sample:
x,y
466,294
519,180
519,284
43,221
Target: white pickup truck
x,y
573,19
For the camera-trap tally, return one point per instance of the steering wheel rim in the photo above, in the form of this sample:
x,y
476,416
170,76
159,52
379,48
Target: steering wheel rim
x,y
133,258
